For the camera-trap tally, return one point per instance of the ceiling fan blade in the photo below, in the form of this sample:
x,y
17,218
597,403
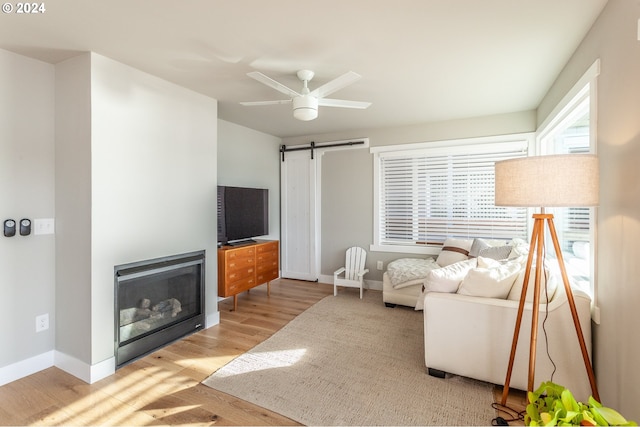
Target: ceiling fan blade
x,y
326,102
254,103
336,84
272,83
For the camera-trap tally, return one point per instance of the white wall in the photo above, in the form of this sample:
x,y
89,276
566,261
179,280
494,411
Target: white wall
x,y
27,263
614,39
73,207
248,158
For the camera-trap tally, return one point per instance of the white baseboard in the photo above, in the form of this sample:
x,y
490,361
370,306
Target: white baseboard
x,y
79,369
87,373
26,367
376,285
71,365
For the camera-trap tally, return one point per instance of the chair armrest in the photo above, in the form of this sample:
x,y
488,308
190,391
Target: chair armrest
x,y
339,271
363,272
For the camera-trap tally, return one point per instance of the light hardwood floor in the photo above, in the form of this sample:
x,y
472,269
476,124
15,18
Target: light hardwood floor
x,y
164,387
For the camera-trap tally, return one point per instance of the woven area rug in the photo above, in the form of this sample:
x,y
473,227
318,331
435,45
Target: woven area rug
x,y
347,361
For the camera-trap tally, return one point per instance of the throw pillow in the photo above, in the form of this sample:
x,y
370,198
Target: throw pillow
x,y
496,252
454,250
519,248
491,279
546,279
447,279
477,246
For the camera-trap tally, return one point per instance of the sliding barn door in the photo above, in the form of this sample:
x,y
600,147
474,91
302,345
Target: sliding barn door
x,y
298,217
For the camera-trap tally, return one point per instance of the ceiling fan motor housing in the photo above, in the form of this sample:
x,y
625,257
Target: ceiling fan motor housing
x,y
305,107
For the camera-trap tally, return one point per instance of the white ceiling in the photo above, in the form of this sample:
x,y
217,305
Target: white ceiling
x,y
420,60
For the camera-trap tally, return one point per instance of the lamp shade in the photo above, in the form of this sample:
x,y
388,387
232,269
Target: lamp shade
x,y
564,180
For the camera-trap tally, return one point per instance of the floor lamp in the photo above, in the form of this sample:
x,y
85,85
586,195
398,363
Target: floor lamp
x,y
568,180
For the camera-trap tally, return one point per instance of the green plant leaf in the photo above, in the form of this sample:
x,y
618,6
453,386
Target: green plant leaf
x,y
570,418
569,401
549,419
532,413
594,403
597,417
613,417
532,396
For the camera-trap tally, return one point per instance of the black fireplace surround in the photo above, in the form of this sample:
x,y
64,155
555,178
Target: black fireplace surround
x,y
156,302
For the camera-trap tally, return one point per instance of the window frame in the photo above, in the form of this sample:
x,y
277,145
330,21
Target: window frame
x,y
445,147
585,88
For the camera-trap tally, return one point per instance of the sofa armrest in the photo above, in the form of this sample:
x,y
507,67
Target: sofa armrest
x,y
472,337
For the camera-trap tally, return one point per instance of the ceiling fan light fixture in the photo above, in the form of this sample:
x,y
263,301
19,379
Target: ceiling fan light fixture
x,y
305,103
305,108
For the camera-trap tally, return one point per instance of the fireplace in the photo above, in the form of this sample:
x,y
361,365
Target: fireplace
x,y
157,301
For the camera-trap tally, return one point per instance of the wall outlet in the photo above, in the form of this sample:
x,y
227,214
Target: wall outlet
x,y
42,322
380,265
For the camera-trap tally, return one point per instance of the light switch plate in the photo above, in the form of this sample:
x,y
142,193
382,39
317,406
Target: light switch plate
x,y
44,226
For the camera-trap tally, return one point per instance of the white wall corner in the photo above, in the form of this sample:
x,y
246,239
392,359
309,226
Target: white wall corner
x,y
212,319
26,367
87,373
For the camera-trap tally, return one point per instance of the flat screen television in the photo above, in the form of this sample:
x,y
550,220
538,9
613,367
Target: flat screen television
x,y
243,213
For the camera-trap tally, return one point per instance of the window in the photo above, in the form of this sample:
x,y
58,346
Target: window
x,y
427,192
571,130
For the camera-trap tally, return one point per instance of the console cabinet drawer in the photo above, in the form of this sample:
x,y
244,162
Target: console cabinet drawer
x,y
242,252
267,275
240,263
241,285
239,273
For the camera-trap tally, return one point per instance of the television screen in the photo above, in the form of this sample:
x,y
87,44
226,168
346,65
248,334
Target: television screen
x,y
243,213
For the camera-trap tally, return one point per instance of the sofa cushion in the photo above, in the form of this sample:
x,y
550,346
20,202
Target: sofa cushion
x,y
490,279
516,289
447,279
454,250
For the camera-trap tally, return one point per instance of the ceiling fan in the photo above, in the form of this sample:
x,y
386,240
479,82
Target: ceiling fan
x,y
306,102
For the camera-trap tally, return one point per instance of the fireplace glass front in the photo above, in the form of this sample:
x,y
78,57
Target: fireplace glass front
x,y
157,302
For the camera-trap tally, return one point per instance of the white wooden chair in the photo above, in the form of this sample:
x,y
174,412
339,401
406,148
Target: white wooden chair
x,y
353,270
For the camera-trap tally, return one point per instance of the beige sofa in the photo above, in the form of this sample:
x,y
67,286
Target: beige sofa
x,y
471,336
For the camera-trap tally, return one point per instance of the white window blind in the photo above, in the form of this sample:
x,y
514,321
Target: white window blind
x,y
428,195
